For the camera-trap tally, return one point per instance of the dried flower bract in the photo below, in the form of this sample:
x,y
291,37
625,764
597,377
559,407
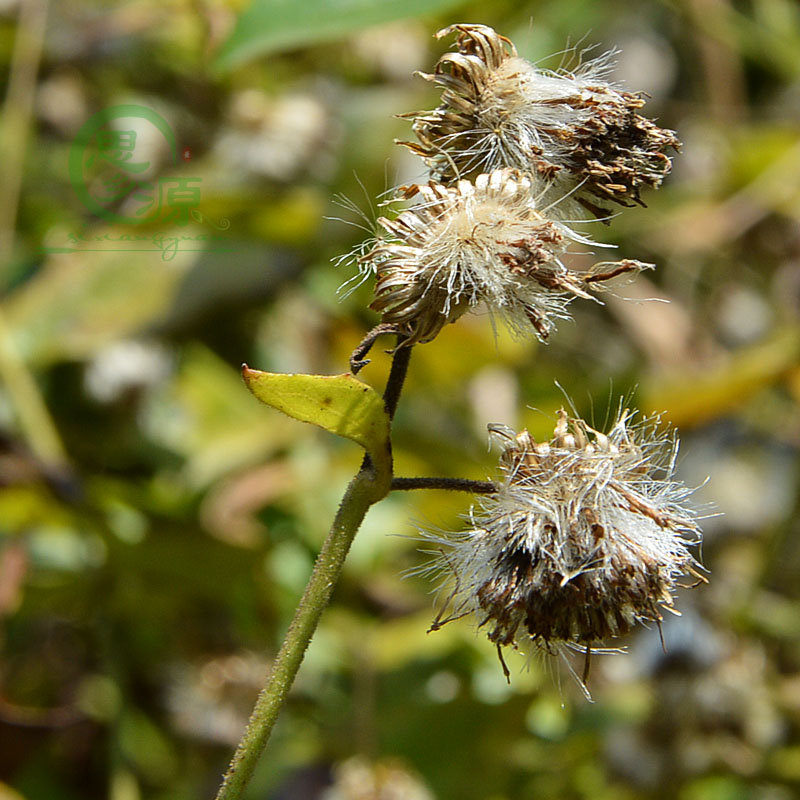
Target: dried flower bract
x,y
482,241
574,130
586,536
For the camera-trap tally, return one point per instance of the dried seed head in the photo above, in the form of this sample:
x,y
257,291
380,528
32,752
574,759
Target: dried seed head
x,y
482,241
586,535
572,129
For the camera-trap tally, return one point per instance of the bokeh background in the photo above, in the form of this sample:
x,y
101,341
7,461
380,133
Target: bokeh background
x,y
157,525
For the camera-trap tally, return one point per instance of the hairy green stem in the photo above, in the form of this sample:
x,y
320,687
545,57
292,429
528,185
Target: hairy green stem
x,y
364,490
371,484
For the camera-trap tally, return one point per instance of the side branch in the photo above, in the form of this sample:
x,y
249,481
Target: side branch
x,y
453,484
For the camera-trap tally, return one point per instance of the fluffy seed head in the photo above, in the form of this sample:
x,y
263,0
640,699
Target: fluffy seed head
x,y
586,535
472,242
572,129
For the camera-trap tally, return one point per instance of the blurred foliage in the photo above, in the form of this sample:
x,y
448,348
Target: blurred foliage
x,y
157,524
269,26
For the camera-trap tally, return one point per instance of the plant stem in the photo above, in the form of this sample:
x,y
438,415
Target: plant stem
x,y
453,484
358,359
362,492
35,422
368,487
397,377
17,115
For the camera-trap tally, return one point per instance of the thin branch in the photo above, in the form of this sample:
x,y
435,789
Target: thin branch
x,y
452,484
394,385
358,358
397,377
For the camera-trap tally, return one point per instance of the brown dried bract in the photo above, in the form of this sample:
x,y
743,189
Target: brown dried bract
x,y
586,537
477,242
571,130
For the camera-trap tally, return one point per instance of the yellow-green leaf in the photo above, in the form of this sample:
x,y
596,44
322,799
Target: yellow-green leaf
x,y
7,793
697,398
340,404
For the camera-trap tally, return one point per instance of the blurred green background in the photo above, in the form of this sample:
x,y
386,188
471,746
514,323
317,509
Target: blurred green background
x,y
157,525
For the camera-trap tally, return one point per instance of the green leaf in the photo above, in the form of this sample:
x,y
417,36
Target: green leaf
x,y
340,404
269,26
80,301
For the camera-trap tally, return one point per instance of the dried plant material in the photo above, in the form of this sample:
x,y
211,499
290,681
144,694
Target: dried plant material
x,y
587,535
478,242
573,130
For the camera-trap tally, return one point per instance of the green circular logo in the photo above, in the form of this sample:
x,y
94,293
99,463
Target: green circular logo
x,y
109,175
